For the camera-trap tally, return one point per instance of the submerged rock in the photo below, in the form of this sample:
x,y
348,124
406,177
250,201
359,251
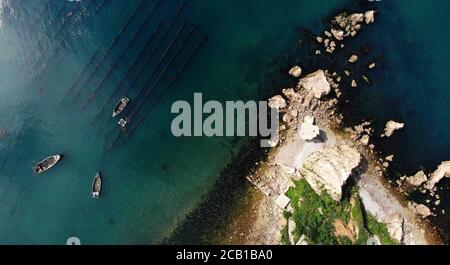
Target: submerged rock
x,y
442,171
353,59
329,169
391,127
295,71
316,83
308,131
277,102
350,24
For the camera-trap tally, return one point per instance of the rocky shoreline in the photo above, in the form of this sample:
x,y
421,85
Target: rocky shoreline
x,y
314,146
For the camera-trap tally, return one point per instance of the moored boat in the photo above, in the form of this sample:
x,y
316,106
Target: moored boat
x,y
96,185
121,105
47,163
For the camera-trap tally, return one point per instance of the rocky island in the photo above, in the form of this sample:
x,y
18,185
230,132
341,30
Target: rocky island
x,y
324,183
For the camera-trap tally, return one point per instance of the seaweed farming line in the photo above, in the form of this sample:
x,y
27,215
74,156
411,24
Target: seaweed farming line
x,y
129,70
147,82
161,95
113,42
152,53
161,59
118,60
156,81
172,81
170,46
57,48
101,5
169,64
95,54
105,56
139,56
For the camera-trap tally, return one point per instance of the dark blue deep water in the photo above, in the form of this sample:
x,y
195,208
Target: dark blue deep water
x,y
64,64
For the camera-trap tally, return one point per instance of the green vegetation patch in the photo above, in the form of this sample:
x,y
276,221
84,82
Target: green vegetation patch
x,y
380,230
314,216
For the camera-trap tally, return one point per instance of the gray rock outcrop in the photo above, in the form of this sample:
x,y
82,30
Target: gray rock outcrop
x,y
329,168
316,83
418,179
442,171
308,130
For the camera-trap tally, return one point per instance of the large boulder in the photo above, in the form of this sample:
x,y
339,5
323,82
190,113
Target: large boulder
x,y
395,225
316,83
308,130
329,168
421,210
442,171
277,102
295,71
391,127
418,179
369,17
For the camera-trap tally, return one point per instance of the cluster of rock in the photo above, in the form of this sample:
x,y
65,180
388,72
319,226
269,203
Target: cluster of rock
x,y
329,168
426,184
361,133
311,105
344,26
306,103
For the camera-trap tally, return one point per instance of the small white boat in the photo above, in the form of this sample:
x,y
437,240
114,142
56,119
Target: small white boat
x,y
47,164
122,123
121,105
96,185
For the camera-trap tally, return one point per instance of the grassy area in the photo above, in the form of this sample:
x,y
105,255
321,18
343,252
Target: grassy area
x,y
314,216
358,216
285,230
380,230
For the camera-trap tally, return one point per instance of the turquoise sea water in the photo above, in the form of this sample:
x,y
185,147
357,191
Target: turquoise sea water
x,y
55,54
